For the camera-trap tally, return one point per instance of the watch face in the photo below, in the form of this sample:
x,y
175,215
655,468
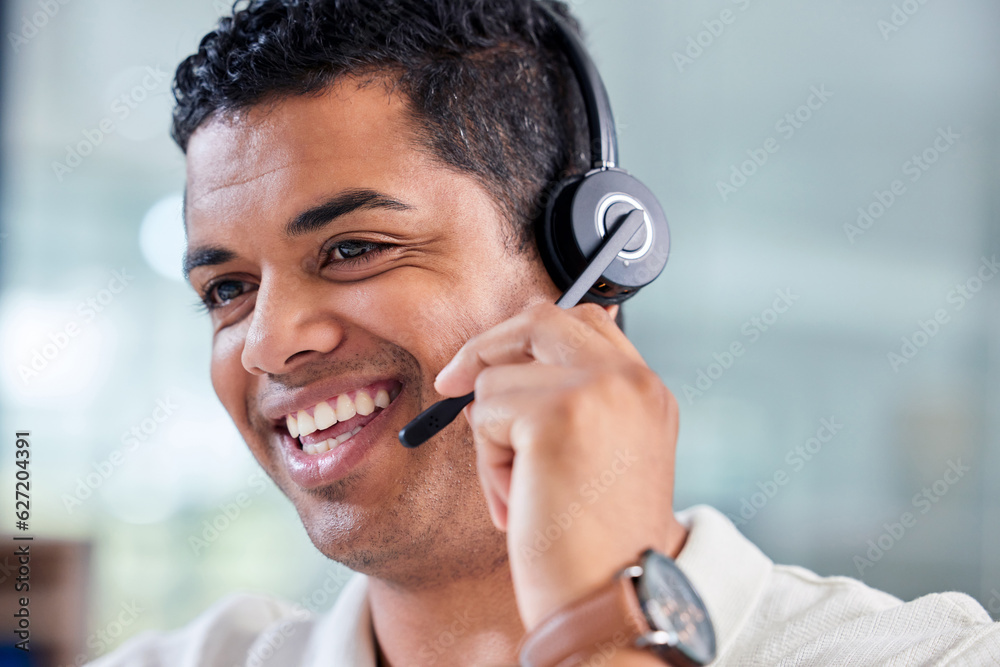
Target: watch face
x,y
672,606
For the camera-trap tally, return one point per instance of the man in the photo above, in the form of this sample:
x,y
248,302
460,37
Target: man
x,y
363,177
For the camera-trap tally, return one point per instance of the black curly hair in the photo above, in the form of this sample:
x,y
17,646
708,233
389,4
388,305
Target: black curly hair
x,y
490,93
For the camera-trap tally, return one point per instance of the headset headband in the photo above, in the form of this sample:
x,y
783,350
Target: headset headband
x,y
600,121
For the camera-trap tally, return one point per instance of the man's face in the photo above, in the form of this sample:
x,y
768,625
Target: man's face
x,y
343,260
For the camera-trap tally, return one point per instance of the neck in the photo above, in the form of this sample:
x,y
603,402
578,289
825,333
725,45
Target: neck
x,y
453,623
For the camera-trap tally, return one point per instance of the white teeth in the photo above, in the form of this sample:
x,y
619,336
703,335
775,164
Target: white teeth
x,y
324,416
306,423
345,408
293,425
330,443
350,434
364,403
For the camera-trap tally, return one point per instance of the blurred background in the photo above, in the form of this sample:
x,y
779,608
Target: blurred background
x,y
828,318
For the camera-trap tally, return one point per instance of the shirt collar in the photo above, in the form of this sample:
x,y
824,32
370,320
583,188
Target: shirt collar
x,y
345,636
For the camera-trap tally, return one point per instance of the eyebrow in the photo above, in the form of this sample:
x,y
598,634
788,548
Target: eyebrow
x,y
308,221
205,256
343,203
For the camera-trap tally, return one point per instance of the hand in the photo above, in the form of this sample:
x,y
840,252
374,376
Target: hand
x,y
575,439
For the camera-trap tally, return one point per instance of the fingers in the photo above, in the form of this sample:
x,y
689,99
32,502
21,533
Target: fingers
x,y
498,380
529,374
583,335
491,423
495,477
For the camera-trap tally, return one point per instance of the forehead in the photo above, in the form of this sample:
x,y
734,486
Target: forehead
x,y
281,155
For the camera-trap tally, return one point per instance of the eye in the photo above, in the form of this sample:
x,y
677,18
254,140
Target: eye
x,y
353,252
220,293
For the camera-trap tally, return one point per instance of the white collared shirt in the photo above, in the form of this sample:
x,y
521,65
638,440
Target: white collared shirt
x,y
764,614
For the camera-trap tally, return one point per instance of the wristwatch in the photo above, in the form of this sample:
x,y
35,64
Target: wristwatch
x,y
649,605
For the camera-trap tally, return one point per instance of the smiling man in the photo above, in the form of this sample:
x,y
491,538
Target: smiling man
x,y
363,180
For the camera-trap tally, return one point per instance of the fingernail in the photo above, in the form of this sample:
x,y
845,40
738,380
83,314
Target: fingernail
x,y
443,373
448,368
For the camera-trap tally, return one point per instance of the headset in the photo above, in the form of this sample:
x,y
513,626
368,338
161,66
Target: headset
x,y
582,209
603,235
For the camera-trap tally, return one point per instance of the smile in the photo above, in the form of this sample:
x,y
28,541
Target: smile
x,y
330,423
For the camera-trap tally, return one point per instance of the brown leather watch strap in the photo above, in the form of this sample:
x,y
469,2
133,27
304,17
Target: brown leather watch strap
x,y
605,621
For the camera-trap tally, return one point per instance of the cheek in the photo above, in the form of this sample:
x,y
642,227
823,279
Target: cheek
x,y
427,319
432,315
229,378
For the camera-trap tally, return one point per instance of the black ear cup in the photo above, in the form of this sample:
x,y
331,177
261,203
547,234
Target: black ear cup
x,y
581,212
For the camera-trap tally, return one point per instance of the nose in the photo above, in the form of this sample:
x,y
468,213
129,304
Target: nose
x,y
290,322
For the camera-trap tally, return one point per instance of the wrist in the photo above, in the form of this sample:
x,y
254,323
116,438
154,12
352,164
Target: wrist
x,y
676,539
540,600
647,614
